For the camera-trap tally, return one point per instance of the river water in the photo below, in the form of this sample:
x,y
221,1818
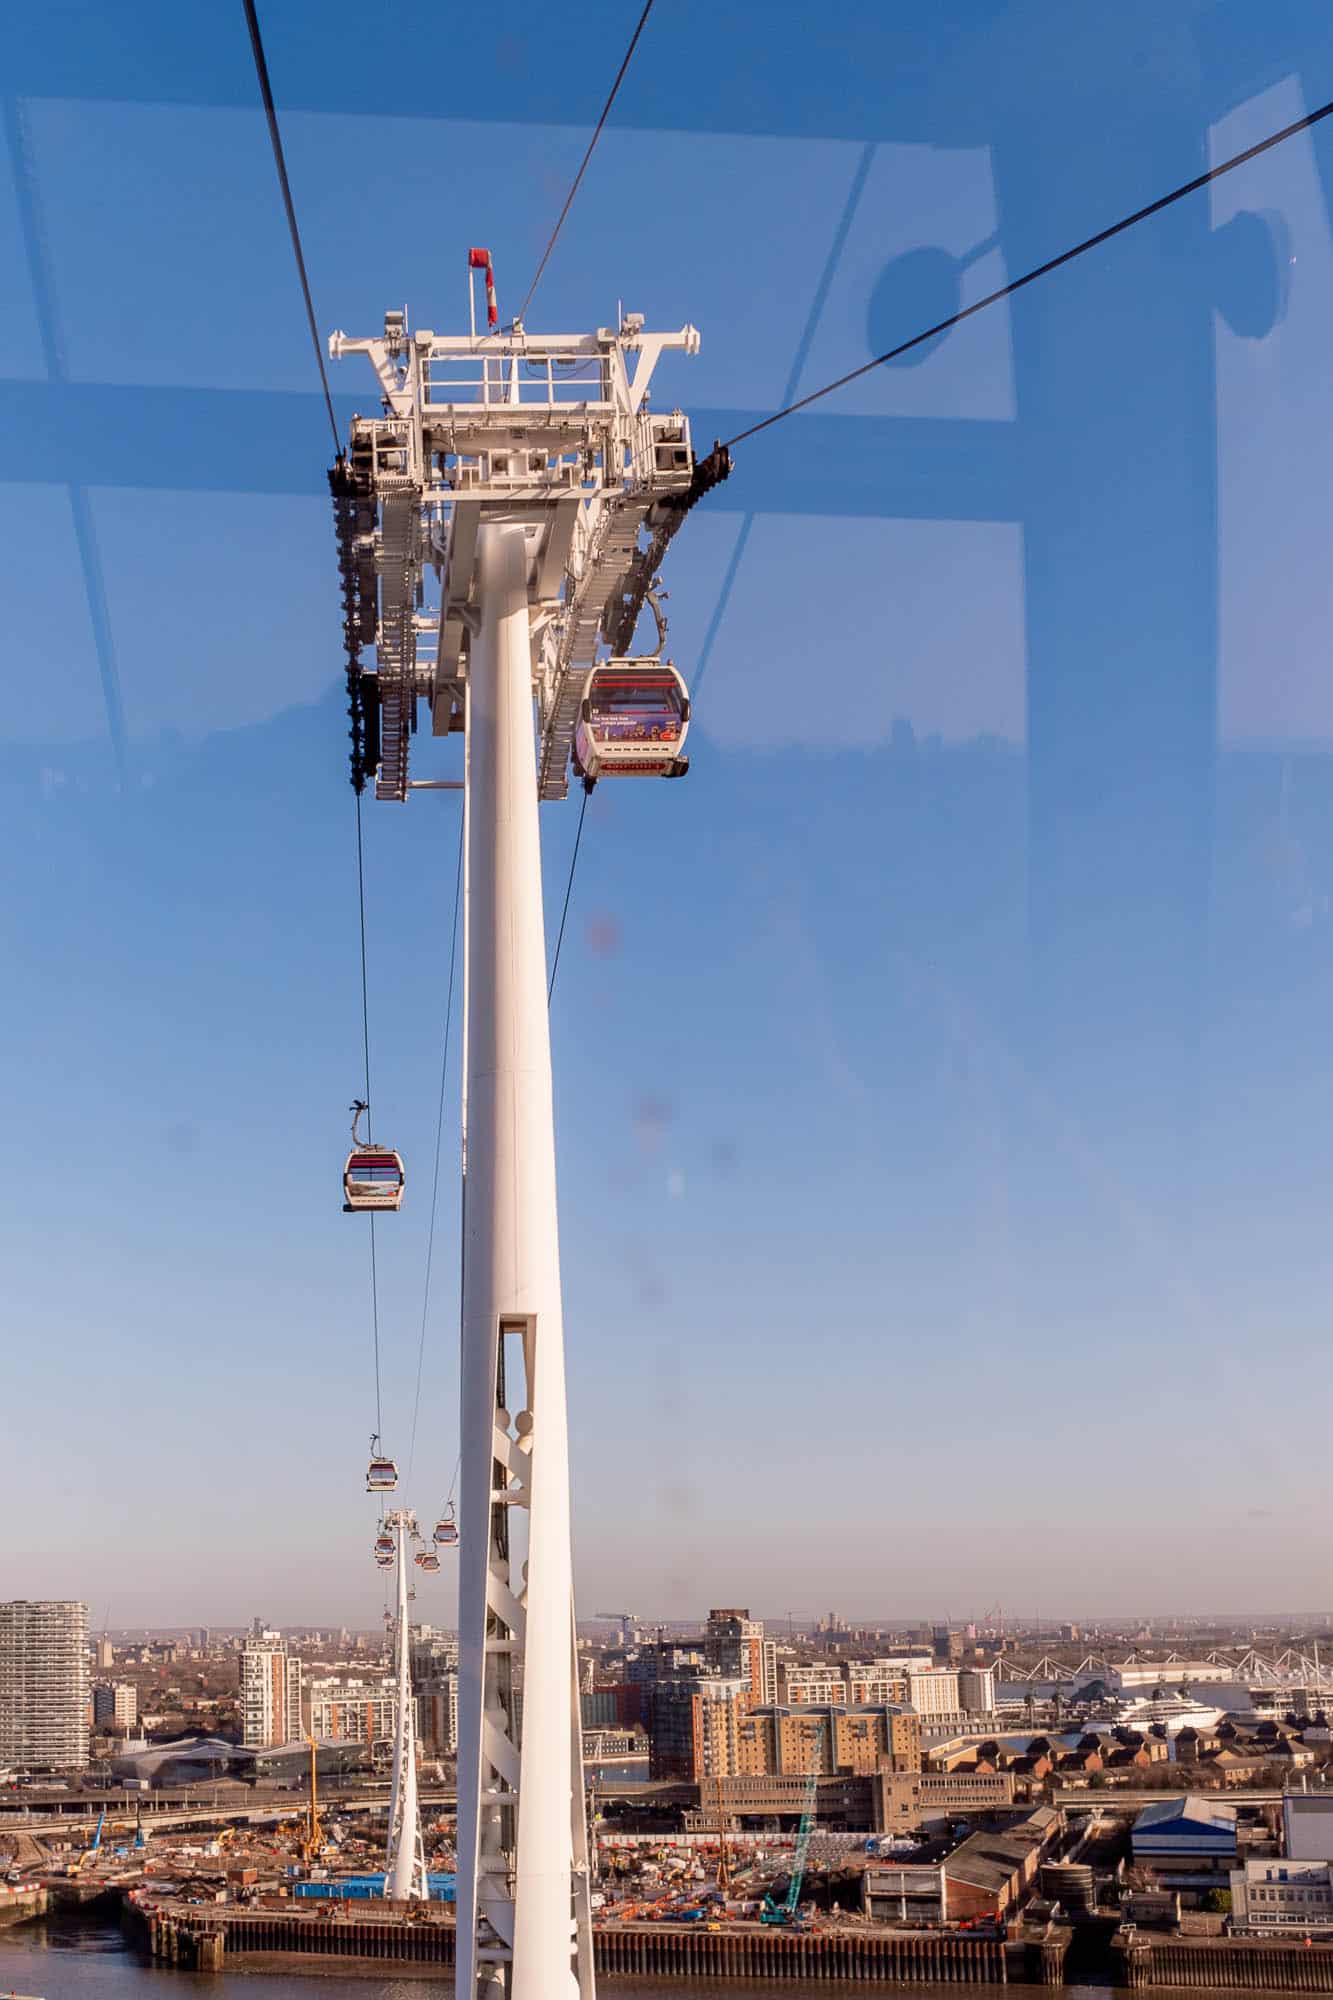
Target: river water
x,y
86,1958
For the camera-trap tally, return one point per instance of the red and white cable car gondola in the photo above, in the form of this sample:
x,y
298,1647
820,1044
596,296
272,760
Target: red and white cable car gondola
x,y
633,721
384,1545
373,1177
446,1528
426,1559
382,1473
384,1562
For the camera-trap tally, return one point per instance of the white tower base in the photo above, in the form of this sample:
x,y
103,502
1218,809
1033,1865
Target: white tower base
x,y
523,1926
405,1871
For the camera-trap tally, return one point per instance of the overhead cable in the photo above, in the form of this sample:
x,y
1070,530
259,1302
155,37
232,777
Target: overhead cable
x,y
365,1047
280,162
569,890
1043,270
439,1134
583,164
794,374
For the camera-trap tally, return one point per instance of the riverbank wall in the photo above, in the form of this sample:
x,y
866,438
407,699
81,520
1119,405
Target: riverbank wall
x,y
1228,1965
207,1940
18,1904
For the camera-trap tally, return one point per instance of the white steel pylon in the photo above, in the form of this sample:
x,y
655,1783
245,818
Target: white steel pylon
x,y
405,1862
500,528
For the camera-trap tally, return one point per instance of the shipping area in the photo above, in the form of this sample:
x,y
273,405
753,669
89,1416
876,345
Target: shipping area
x,y
1029,1894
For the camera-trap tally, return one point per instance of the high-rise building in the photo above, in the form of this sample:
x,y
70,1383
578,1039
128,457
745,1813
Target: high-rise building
x,y
106,1654
115,1703
734,1643
934,1692
692,1725
270,1692
437,1713
44,1685
976,1690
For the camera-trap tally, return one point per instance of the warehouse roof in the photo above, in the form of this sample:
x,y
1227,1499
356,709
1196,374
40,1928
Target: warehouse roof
x,y
1183,1814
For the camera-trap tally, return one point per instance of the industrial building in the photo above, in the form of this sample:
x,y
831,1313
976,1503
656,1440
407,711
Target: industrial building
x,y
985,1876
193,1760
907,1799
1283,1896
1307,1826
1188,1843
44,1697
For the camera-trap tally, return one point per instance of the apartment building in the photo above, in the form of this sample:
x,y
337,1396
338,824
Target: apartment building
x,y
806,1740
734,1645
115,1705
847,1683
934,1693
350,1711
44,1692
437,1714
270,1692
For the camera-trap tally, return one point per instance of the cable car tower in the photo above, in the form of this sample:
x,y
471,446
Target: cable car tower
x,y
500,528
405,1862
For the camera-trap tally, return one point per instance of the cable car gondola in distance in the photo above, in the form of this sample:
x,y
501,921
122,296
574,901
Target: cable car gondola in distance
x,y
384,1545
373,1177
446,1528
381,1473
633,721
384,1562
426,1559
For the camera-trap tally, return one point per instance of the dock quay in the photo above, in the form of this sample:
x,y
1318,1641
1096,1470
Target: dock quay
x,y
207,1939
18,1904
1229,1965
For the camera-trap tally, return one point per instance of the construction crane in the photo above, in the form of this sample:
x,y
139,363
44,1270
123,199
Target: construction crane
x,y
787,1911
313,1841
94,1844
718,1787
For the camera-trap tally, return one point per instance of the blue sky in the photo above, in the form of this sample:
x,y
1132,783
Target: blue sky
x,y
941,1071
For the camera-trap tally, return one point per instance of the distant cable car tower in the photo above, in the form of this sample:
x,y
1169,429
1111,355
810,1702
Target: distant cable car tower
x,y
405,1862
500,529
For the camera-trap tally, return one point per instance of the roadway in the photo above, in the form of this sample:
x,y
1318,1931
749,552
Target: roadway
x,y
121,1812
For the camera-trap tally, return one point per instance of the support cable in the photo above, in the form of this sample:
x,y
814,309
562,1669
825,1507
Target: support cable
x,y
583,164
280,162
569,890
365,1046
1043,270
439,1134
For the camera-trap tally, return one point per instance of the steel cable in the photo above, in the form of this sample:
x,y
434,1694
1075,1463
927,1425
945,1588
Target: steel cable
x,y
280,162
569,890
1042,270
583,164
